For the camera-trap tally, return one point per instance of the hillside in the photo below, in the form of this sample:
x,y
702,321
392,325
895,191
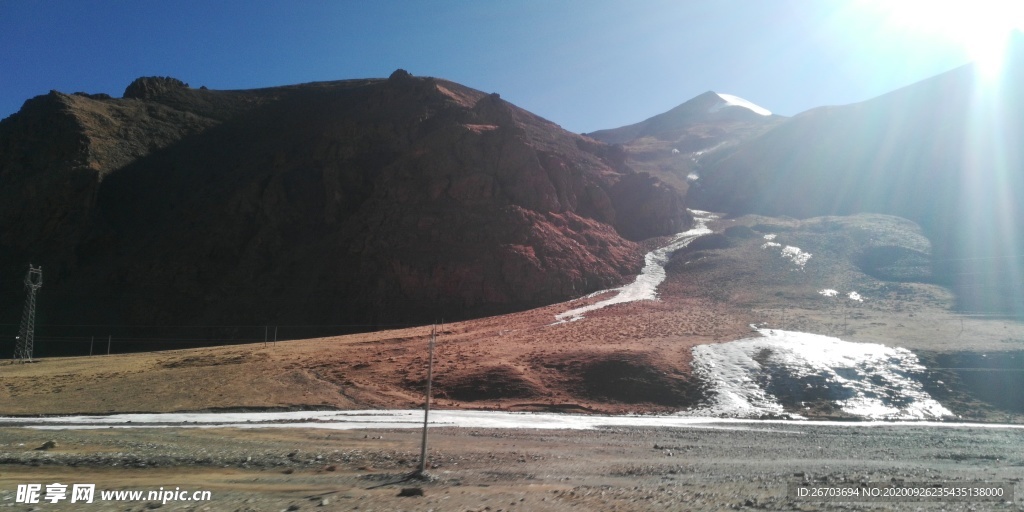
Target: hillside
x,y
671,145
334,207
625,358
943,152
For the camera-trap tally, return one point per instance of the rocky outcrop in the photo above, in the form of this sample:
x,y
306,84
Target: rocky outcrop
x,y
55,153
351,204
152,87
645,207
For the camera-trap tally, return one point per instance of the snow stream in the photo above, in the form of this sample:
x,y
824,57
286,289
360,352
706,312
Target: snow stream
x,y
745,378
645,286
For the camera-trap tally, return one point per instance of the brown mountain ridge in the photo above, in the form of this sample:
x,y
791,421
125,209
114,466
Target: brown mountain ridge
x,y
346,205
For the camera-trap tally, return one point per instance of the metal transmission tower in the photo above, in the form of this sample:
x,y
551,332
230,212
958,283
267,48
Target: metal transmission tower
x,y
27,333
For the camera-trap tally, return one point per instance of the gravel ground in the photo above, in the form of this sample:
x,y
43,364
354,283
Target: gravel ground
x,y
476,470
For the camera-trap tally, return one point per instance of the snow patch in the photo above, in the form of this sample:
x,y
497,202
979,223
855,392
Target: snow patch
x,y
692,176
728,100
866,380
794,254
695,156
854,296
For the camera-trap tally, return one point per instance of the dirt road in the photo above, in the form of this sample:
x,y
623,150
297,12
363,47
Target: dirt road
x,y
702,468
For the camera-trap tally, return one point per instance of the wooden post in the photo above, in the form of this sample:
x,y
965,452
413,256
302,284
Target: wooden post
x,y
426,404
108,344
92,340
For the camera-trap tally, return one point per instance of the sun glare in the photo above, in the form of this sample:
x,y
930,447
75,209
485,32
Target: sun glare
x,y
981,27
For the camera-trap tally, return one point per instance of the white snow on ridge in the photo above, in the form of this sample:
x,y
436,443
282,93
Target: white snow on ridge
x,y
735,101
867,380
645,286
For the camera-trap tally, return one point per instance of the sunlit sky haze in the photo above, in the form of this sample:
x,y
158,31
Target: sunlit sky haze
x,y
585,64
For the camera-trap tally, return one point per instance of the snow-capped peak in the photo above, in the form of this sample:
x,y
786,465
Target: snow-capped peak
x,y
728,100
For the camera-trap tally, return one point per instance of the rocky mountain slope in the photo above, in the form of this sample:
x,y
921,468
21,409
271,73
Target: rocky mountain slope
x,y
670,145
700,123
944,152
346,205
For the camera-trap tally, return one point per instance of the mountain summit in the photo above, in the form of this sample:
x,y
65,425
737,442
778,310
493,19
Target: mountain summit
x,y
691,121
670,145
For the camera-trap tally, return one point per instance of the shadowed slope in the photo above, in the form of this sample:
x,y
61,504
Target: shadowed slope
x,y
357,203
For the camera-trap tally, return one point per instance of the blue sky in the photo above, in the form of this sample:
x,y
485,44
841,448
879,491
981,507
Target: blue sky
x,y
584,64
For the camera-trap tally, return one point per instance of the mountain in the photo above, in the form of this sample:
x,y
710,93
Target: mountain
x,y
340,205
687,125
944,152
670,145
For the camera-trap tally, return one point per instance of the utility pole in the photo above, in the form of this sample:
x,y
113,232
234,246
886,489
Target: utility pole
x,y
27,333
426,404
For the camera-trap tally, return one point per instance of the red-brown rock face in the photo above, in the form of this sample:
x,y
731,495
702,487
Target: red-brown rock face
x,y
360,202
